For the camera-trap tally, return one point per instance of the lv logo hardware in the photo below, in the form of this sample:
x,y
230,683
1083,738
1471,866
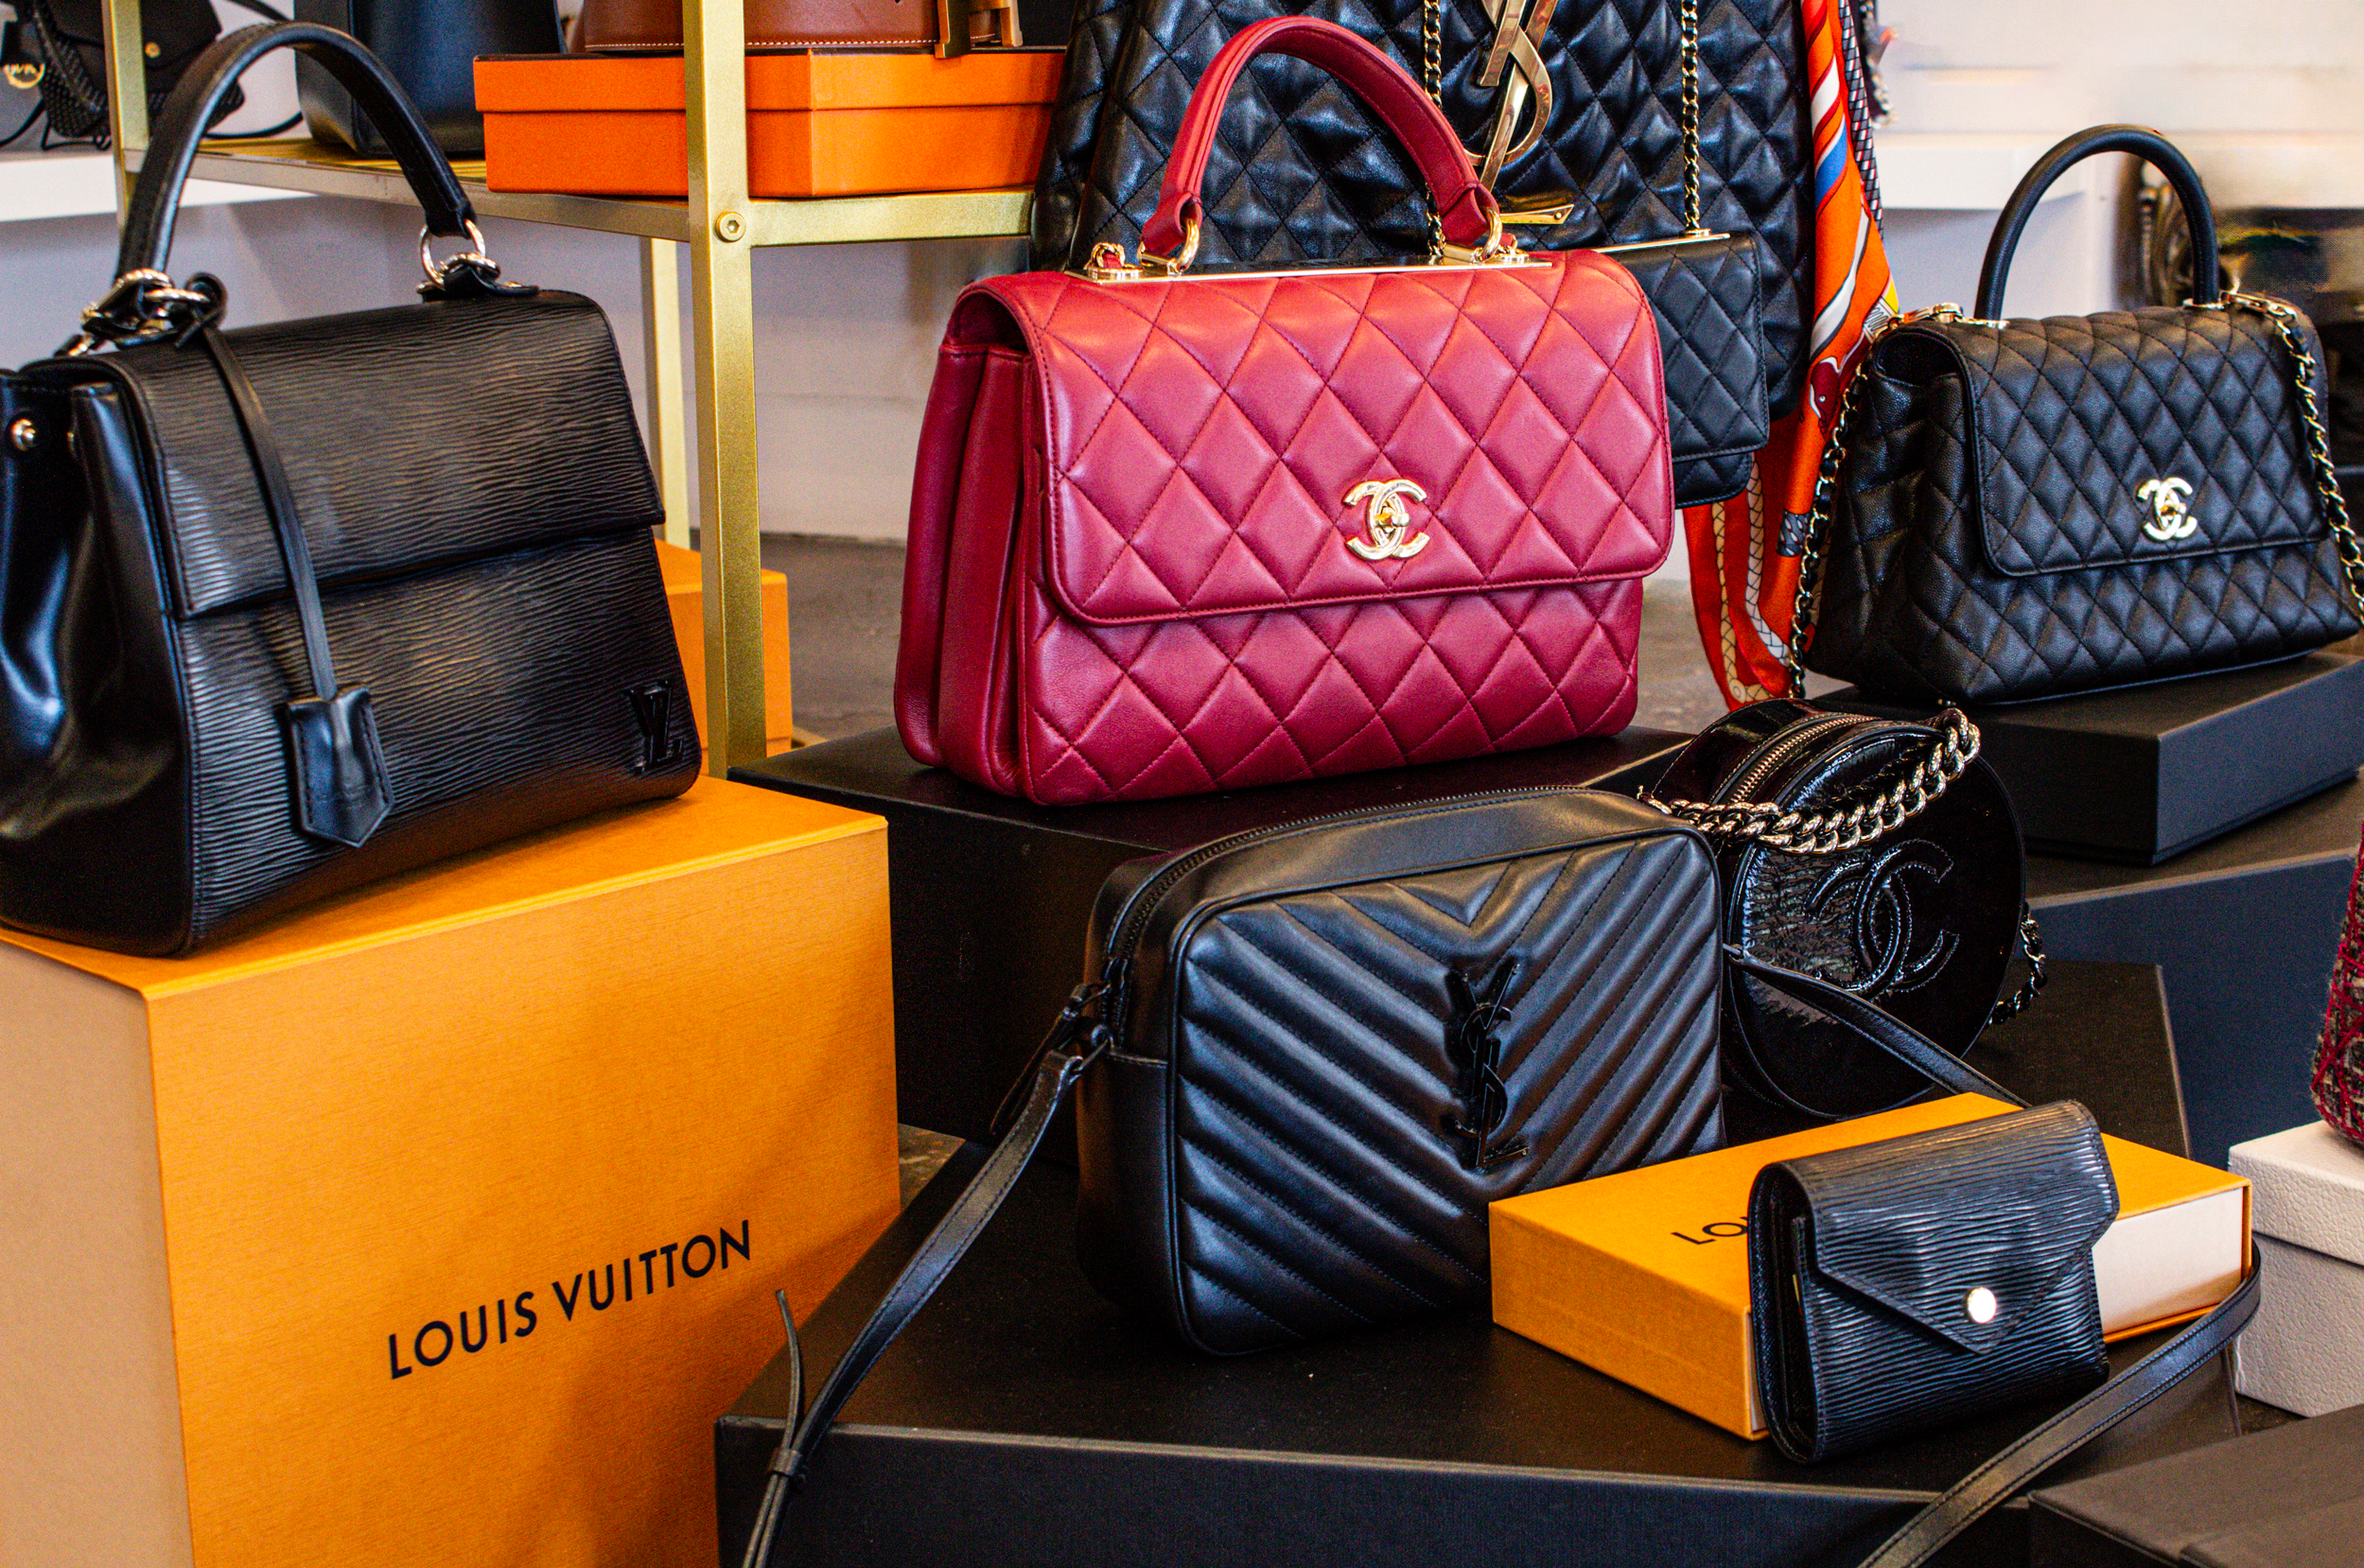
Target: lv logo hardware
x,y
2170,509
652,709
1475,1045
1387,519
1516,37
1881,927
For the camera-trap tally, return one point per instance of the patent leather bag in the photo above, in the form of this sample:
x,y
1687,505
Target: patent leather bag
x,y
1879,855
2014,510
1174,534
1906,1284
1673,134
291,607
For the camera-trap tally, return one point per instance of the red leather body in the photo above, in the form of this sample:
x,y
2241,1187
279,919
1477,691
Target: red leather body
x,y
1132,569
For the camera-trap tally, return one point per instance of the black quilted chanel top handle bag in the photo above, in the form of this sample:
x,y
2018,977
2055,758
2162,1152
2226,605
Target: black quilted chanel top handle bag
x,y
2014,510
293,607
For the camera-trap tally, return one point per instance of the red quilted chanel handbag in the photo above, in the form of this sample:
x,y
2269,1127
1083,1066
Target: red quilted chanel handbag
x,y
1173,533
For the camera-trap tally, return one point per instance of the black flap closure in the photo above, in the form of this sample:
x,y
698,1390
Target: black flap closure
x,y
413,436
1962,1229
2131,436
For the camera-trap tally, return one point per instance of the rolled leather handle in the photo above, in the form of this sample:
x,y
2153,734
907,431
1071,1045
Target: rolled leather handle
x,y
1465,209
2145,144
156,199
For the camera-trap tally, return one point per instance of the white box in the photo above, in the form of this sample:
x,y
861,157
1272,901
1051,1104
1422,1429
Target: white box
x,y
2305,1349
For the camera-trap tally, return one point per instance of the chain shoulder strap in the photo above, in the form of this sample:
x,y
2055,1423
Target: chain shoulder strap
x,y
2315,432
1776,826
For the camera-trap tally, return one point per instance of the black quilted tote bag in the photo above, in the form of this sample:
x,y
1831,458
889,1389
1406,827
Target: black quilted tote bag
x,y
1677,130
289,608
2013,509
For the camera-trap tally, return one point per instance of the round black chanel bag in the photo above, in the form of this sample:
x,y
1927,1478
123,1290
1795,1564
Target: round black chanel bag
x,y
1879,856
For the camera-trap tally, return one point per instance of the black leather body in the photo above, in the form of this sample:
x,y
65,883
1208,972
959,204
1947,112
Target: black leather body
x,y
1302,173
70,39
1334,1045
1989,541
431,48
470,477
1704,293
1863,1262
1923,922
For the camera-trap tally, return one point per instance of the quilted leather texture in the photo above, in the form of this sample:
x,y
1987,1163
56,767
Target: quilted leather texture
x,y
1886,1244
1322,1158
1302,173
1990,545
1711,333
471,477
1189,610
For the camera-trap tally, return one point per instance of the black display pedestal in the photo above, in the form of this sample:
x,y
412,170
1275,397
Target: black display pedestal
x,y
1023,1419
992,896
2145,774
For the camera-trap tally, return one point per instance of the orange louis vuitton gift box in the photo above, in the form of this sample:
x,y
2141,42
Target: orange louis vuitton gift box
x,y
435,1224
1644,1275
818,122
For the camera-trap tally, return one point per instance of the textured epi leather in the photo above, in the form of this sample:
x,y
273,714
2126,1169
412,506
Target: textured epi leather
x,y
1863,1262
1988,543
1271,1150
1182,610
1302,173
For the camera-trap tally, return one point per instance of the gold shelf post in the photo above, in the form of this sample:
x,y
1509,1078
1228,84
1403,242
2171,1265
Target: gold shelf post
x,y
722,287
127,111
668,409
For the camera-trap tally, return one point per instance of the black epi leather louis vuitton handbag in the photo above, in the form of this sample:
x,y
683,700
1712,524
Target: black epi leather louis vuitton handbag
x,y
289,608
1671,134
2013,509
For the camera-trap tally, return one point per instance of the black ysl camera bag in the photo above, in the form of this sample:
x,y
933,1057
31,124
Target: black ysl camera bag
x,y
289,608
2012,509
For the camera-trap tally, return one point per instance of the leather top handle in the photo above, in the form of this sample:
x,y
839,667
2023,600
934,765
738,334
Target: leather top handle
x,y
156,200
1466,211
2144,144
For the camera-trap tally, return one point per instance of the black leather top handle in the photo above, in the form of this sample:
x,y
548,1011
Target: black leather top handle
x,y
156,200
2144,144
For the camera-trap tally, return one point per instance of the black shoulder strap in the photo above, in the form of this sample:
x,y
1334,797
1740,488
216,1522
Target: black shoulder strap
x,y
1073,1046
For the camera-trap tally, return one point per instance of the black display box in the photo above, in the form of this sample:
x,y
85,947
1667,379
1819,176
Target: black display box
x,y
1023,1419
2145,774
991,896
2292,1497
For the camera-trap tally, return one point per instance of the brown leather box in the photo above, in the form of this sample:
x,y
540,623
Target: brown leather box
x,y
818,122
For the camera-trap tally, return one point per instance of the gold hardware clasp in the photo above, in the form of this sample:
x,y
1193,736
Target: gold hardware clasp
x,y
1387,519
2170,510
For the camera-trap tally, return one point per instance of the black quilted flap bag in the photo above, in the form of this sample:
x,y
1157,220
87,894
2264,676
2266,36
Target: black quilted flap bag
x,y
291,607
2026,509
1911,1283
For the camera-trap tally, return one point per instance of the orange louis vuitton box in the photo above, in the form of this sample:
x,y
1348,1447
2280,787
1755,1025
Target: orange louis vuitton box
x,y
1644,1275
435,1224
685,595
818,122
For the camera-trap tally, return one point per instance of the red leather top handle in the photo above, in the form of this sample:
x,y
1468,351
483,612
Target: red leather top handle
x,y
1465,209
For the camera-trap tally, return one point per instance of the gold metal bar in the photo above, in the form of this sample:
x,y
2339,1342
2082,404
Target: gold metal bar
x,y
126,63
721,288
668,403
926,215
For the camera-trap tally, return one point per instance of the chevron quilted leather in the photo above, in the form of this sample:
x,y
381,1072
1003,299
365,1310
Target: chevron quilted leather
x,y
1173,534
1990,545
1290,1135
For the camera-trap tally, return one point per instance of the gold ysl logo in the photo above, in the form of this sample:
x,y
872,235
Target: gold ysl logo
x,y
1387,520
1515,40
2170,513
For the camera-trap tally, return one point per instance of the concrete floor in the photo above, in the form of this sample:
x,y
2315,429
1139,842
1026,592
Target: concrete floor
x,y
845,601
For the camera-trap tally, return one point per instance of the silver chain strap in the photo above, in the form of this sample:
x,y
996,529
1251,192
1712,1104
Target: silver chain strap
x,y
2032,949
1833,832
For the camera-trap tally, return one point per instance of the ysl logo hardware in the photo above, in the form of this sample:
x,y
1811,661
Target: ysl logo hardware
x,y
1475,1045
2170,511
1387,520
1516,38
1890,952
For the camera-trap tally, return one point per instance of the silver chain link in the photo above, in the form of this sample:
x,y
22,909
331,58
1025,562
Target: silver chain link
x,y
2032,949
1833,832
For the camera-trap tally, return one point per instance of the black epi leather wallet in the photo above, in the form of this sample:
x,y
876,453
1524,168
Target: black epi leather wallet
x,y
1908,1283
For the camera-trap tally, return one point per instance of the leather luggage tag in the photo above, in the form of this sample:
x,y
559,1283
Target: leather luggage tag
x,y
1908,1283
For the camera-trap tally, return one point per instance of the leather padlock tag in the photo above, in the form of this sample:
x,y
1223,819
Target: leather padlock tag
x,y
337,770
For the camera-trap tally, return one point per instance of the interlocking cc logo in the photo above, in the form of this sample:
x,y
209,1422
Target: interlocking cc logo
x,y
1519,27
2170,512
1475,1044
1387,520
1894,952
